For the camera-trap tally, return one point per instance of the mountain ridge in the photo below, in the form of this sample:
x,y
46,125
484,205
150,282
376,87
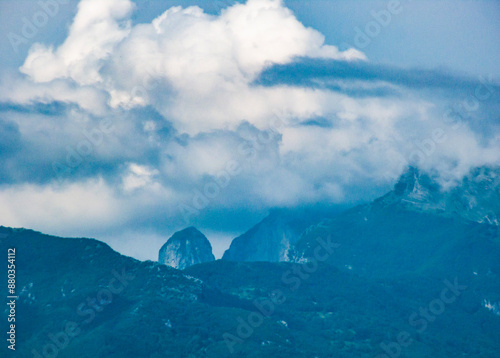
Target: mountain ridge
x,y
476,198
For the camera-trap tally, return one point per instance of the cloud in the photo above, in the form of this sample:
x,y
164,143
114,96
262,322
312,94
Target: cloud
x,y
87,206
95,31
123,124
206,75
139,176
186,63
19,91
360,77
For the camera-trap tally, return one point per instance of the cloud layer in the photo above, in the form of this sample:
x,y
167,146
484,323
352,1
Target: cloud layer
x,y
155,126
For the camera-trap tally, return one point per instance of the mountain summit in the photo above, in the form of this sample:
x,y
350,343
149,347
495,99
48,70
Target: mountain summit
x,y
476,197
186,248
273,238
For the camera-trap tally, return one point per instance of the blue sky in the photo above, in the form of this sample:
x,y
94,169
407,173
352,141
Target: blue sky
x,y
127,121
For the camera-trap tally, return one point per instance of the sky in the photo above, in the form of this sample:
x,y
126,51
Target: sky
x,y
129,120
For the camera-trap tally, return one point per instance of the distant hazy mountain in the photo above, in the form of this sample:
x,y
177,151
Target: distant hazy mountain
x,y
429,211
418,228
273,238
186,248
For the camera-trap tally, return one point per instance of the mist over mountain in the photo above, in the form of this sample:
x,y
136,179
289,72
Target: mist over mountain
x,y
349,285
419,211
475,197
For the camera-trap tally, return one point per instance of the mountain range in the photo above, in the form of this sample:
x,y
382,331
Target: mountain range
x,y
414,273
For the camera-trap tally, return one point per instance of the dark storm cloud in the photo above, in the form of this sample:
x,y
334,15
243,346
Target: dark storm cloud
x,y
317,72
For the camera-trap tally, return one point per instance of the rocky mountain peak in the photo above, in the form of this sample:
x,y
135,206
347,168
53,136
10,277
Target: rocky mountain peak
x,y
186,248
273,238
475,197
417,186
